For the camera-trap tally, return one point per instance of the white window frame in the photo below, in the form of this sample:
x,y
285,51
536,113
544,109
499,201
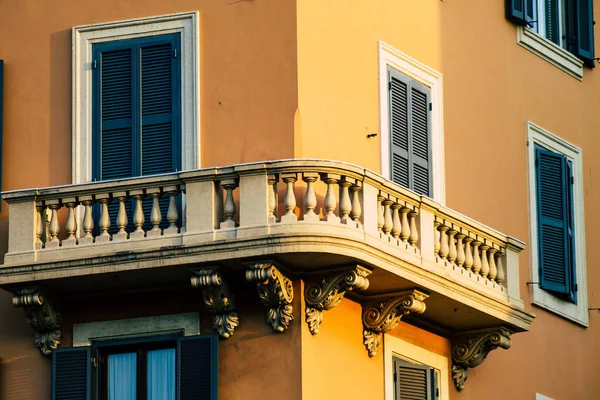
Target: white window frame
x,y
577,313
86,35
395,59
395,347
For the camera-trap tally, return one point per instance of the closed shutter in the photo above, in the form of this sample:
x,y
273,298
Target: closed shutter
x,y
521,12
555,230
197,368
585,30
410,126
71,374
552,20
414,381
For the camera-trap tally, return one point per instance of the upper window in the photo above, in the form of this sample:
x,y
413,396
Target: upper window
x,y
414,381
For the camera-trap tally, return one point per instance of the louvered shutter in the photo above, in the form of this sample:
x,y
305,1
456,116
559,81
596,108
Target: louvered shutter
x,y
553,188
552,20
399,130
585,30
415,381
197,368
419,144
515,11
71,374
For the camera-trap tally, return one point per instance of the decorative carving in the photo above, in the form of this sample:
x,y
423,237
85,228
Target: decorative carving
x,y
328,292
43,318
275,291
383,314
469,349
218,299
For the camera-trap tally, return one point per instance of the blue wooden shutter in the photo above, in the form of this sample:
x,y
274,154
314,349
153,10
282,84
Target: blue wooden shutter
x,y
71,374
552,20
521,12
420,138
554,221
584,11
399,129
414,381
197,368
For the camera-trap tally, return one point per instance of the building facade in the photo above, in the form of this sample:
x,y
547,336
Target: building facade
x,y
298,199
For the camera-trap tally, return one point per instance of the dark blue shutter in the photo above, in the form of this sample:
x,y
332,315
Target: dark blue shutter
x,y
71,374
1,117
399,130
521,12
420,143
414,381
552,20
554,222
197,368
585,30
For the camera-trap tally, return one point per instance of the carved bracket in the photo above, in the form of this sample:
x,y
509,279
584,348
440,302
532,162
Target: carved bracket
x,y
469,349
328,292
275,291
43,318
383,314
218,298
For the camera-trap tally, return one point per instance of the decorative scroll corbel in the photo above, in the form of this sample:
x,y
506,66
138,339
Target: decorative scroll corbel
x,y
218,298
383,314
275,292
43,318
469,349
328,292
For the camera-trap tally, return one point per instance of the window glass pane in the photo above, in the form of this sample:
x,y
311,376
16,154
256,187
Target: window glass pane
x,y
122,376
161,374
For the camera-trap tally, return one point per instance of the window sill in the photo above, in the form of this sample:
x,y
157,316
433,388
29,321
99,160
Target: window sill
x,y
550,52
573,312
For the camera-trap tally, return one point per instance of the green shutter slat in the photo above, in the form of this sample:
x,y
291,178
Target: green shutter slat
x,y
420,138
585,30
399,130
71,374
552,21
553,221
197,368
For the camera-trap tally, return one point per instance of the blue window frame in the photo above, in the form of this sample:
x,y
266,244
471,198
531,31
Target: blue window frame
x,y
554,192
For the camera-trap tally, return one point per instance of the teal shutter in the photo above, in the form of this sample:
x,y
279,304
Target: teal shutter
x,y
552,21
399,130
584,11
71,374
521,12
414,381
420,140
555,226
197,368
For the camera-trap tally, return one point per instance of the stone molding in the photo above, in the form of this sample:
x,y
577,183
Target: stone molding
x,y
383,313
218,298
43,318
469,349
275,291
326,293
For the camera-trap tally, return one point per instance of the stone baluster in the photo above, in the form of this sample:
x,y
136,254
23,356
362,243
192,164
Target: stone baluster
x,y
493,269
345,202
330,202
356,212
122,219
396,224
436,237
380,213
460,255
70,225
54,228
104,220
272,200
155,213
444,248
452,252
405,234
500,277
289,201
173,213
39,226
310,199
138,214
476,258
388,222
468,253
414,232
229,209
87,223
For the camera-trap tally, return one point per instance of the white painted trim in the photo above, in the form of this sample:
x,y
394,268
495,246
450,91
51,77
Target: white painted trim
x,y
86,35
84,334
539,396
550,52
577,313
394,347
390,57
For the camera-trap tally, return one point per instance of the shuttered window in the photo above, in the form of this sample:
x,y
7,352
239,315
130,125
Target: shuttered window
x,y
414,381
195,370
554,191
410,133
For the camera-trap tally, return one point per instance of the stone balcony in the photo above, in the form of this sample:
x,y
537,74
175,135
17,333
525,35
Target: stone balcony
x,y
309,217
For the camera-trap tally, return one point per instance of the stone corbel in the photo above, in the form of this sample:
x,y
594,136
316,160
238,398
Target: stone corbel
x,y
43,318
275,291
326,293
218,298
469,349
383,314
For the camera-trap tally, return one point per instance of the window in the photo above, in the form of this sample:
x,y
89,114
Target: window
x,y
557,227
414,381
149,368
411,123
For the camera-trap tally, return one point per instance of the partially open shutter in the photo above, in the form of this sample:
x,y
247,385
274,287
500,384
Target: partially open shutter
x,y
71,374
197,368
553,221
585,30
420,141
399,130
